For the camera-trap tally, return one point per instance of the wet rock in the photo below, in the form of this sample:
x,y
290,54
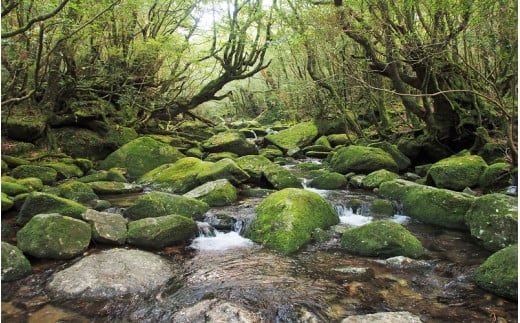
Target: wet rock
x,y
401,262
296,137
48,175
354,273
213,310
110,274
457,172
222,169
37,203
159,232
142,155
386,317
14,264
376,178
428,204
217,193
107,188
381,238
106,227
493,220
281,178
356,181
230,141
156,204
329,181
499,273
254,165
286,219
54,236
362,159
382,207
76,191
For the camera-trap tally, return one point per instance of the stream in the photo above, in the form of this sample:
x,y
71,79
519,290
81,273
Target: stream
x,y
320,283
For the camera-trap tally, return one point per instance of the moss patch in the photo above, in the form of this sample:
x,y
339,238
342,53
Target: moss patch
x,y
499,273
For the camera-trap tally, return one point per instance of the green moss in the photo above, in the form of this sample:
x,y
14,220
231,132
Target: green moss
x,y
109,187
14,263
271,152
13,189
376,178
496,178
339,139
254,165
402,161
286,219
37,203
381,206
361,159
112,175
76,191
281,178
217,193
230,141
48,175
222,169
31,183
457,172
381,238
64,170
7,203
300,135
161,231
214,157
499,273
329,181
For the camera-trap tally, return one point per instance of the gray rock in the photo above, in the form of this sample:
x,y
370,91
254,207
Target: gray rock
x,y
213,310
112,273
383,317
106,227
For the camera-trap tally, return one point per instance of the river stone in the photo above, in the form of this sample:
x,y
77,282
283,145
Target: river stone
x,y
109,187
230,141
214,310
496,178
383,317
329,181
7,203
374,179
106,227
37,203
457,173
223,169
112,175
254,165
280,177
14,264
48,175
428,204
360,159
64,170
217,193
293,139
286,219
141,155
161,231
499,273
112,273
381,238
54,236
11,187
156,204
77,191
493,220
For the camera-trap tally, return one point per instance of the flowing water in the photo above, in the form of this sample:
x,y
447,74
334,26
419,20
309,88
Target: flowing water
x,y
320,283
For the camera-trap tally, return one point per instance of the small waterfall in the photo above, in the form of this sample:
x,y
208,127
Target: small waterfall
x,y
212,239
348,216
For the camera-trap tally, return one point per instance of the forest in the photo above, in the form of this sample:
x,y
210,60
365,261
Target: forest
x,y
443,72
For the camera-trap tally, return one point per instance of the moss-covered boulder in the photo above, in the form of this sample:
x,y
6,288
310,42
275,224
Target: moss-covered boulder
x,y
458,172
7,202
280,177
48,175
31,183
119,136
179,177
161,231
217,193
376,178
54,236
403,162
493,152
112,175
156,204
24,124
294,138
286,219
64,170
12,188
271,152
499,273
428,204
106,227
77,191
109,188
142,155
254,165
382,207
230,141
381,238
38,202
339,139
14,264
496,178
222,169
360,159
493,220
329,181
214,157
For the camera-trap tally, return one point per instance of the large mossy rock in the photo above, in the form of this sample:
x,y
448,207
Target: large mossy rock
x,y
161,231
77,191
329,181
230,141
112,175
280,177
286,219
14,264
496,178
382,238
217,193
110,187
7,202
179,177
294,138
499,273
223,169
54,236
403,162
157,204
493,220
81,143
142,155
458,172
360,159
64,170
23,124
428,204
254,165
376,178
48,175
106,227
37,203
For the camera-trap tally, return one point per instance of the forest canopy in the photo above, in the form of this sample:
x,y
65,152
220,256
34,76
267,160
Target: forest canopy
x,y
443,69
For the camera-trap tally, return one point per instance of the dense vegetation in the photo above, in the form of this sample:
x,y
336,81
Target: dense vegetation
x,y
441,71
